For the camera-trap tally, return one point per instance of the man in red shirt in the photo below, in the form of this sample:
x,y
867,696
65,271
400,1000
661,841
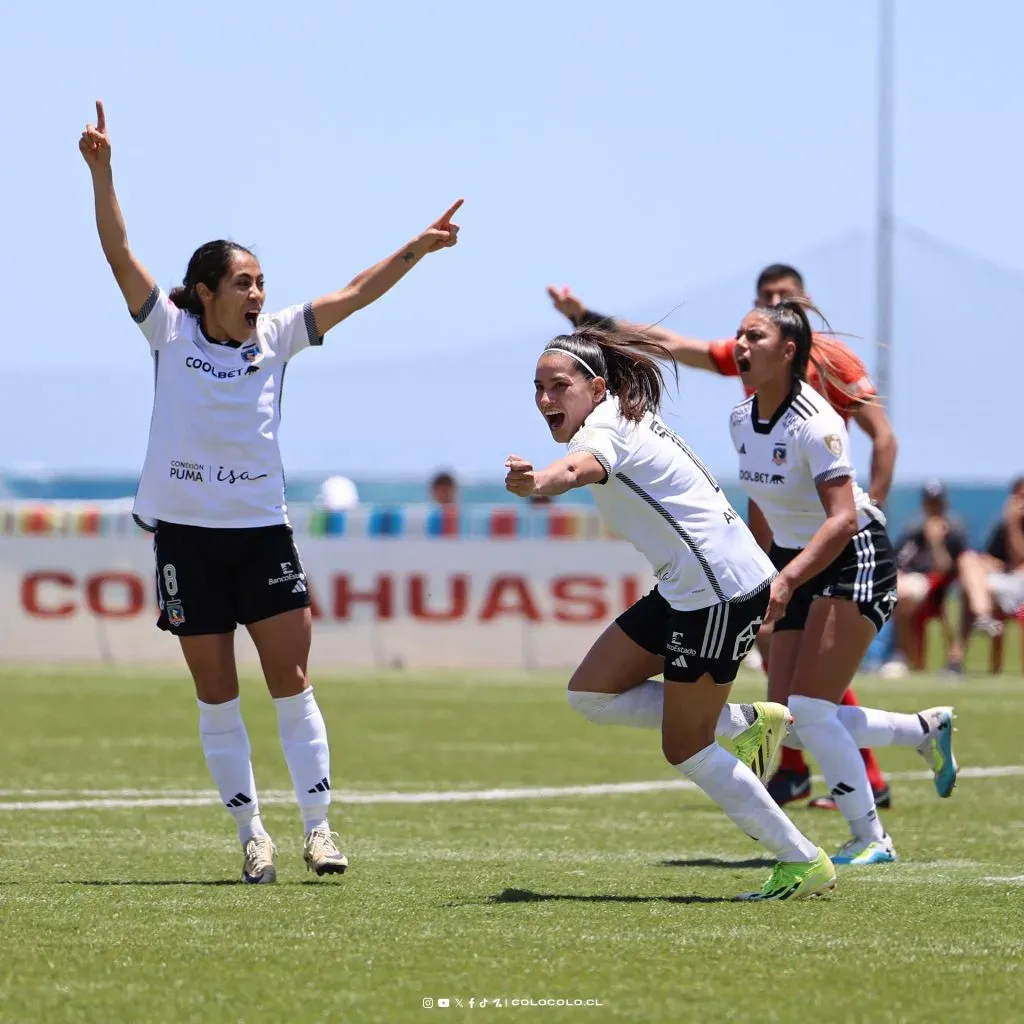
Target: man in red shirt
x,y
837,373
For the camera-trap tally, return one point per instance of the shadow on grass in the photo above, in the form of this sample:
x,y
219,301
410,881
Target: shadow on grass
x,y
151,881
717,862
529,896
148,882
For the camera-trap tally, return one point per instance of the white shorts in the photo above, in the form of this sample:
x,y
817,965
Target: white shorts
x,y
1008,590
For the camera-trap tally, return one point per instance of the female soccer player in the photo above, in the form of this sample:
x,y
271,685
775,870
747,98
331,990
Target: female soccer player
x,y
213,485
600,392
835,371
837,573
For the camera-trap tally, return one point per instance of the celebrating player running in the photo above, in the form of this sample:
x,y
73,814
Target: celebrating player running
x,y
213,485
600,392
835,372
837,573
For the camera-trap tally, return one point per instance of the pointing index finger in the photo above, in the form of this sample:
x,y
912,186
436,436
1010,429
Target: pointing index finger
x,y
445,218
101,117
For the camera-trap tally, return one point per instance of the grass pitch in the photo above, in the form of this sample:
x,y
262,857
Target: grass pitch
x,y
120,901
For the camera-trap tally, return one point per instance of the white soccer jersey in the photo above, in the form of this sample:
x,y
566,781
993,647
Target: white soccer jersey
x,y
782,460
213,457
660,498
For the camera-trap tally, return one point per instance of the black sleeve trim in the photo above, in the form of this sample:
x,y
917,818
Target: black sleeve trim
x,y
592,319
147,306
309,319
833,474
600,458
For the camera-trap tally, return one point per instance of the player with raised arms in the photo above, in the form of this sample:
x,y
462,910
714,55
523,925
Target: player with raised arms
x,y
836,585
212,489
599,392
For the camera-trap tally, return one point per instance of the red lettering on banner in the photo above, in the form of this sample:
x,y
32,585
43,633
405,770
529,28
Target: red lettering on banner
x,y
458,599
520,602
581,598
30,597
126,585
382,596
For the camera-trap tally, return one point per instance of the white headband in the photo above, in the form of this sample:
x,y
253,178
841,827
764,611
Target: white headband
x,y
572,355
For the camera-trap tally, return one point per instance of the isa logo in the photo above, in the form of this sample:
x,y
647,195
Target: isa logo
x,y
175,613
779,453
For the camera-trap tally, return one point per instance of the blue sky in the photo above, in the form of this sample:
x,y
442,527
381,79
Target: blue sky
x,y
654,155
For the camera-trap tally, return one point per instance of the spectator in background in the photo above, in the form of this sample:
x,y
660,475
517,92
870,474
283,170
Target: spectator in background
x,y
443,489
928,558
994,579
336,494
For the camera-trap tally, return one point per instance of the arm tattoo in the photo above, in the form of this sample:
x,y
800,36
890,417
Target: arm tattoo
x,y
409,256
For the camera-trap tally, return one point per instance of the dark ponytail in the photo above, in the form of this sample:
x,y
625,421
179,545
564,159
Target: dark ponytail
x,y
209,264
818,350
626,359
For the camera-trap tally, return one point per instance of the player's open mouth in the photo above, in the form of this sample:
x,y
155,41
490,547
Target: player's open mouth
x,y
250,319
743,362
555,420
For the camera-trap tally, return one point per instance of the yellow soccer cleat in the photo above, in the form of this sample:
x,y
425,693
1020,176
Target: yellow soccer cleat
x,y
760,746
796,881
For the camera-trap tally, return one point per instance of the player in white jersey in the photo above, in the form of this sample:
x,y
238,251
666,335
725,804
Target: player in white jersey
x,y
600,392
212,489
836,585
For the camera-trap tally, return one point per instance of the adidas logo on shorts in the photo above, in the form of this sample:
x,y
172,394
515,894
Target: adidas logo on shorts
x,y
299,588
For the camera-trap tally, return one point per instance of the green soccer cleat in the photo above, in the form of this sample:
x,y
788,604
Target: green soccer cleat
x,y
760,746
937,748
796,881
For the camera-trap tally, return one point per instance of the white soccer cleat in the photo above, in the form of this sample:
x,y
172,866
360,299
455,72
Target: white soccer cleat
x,y
321,853
862,852
258,868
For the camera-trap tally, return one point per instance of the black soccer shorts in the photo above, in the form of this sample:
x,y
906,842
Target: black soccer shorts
x,y
210,579
709,640
864,572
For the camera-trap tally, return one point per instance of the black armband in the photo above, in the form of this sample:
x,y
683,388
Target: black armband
x,y
592,319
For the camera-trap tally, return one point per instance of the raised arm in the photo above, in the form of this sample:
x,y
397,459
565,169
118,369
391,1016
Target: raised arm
x,y
688,351
135,282
371,284
872,419
577,469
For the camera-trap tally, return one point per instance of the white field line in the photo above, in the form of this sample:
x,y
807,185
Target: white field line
x,y
116,799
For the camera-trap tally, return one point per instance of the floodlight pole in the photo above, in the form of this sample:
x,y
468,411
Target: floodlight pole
x,y
884,206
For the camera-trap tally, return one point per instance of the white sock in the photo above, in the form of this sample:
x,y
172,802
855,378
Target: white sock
x,y
643,705
871,727
734,787
304,742
226,746
735,719
817,723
